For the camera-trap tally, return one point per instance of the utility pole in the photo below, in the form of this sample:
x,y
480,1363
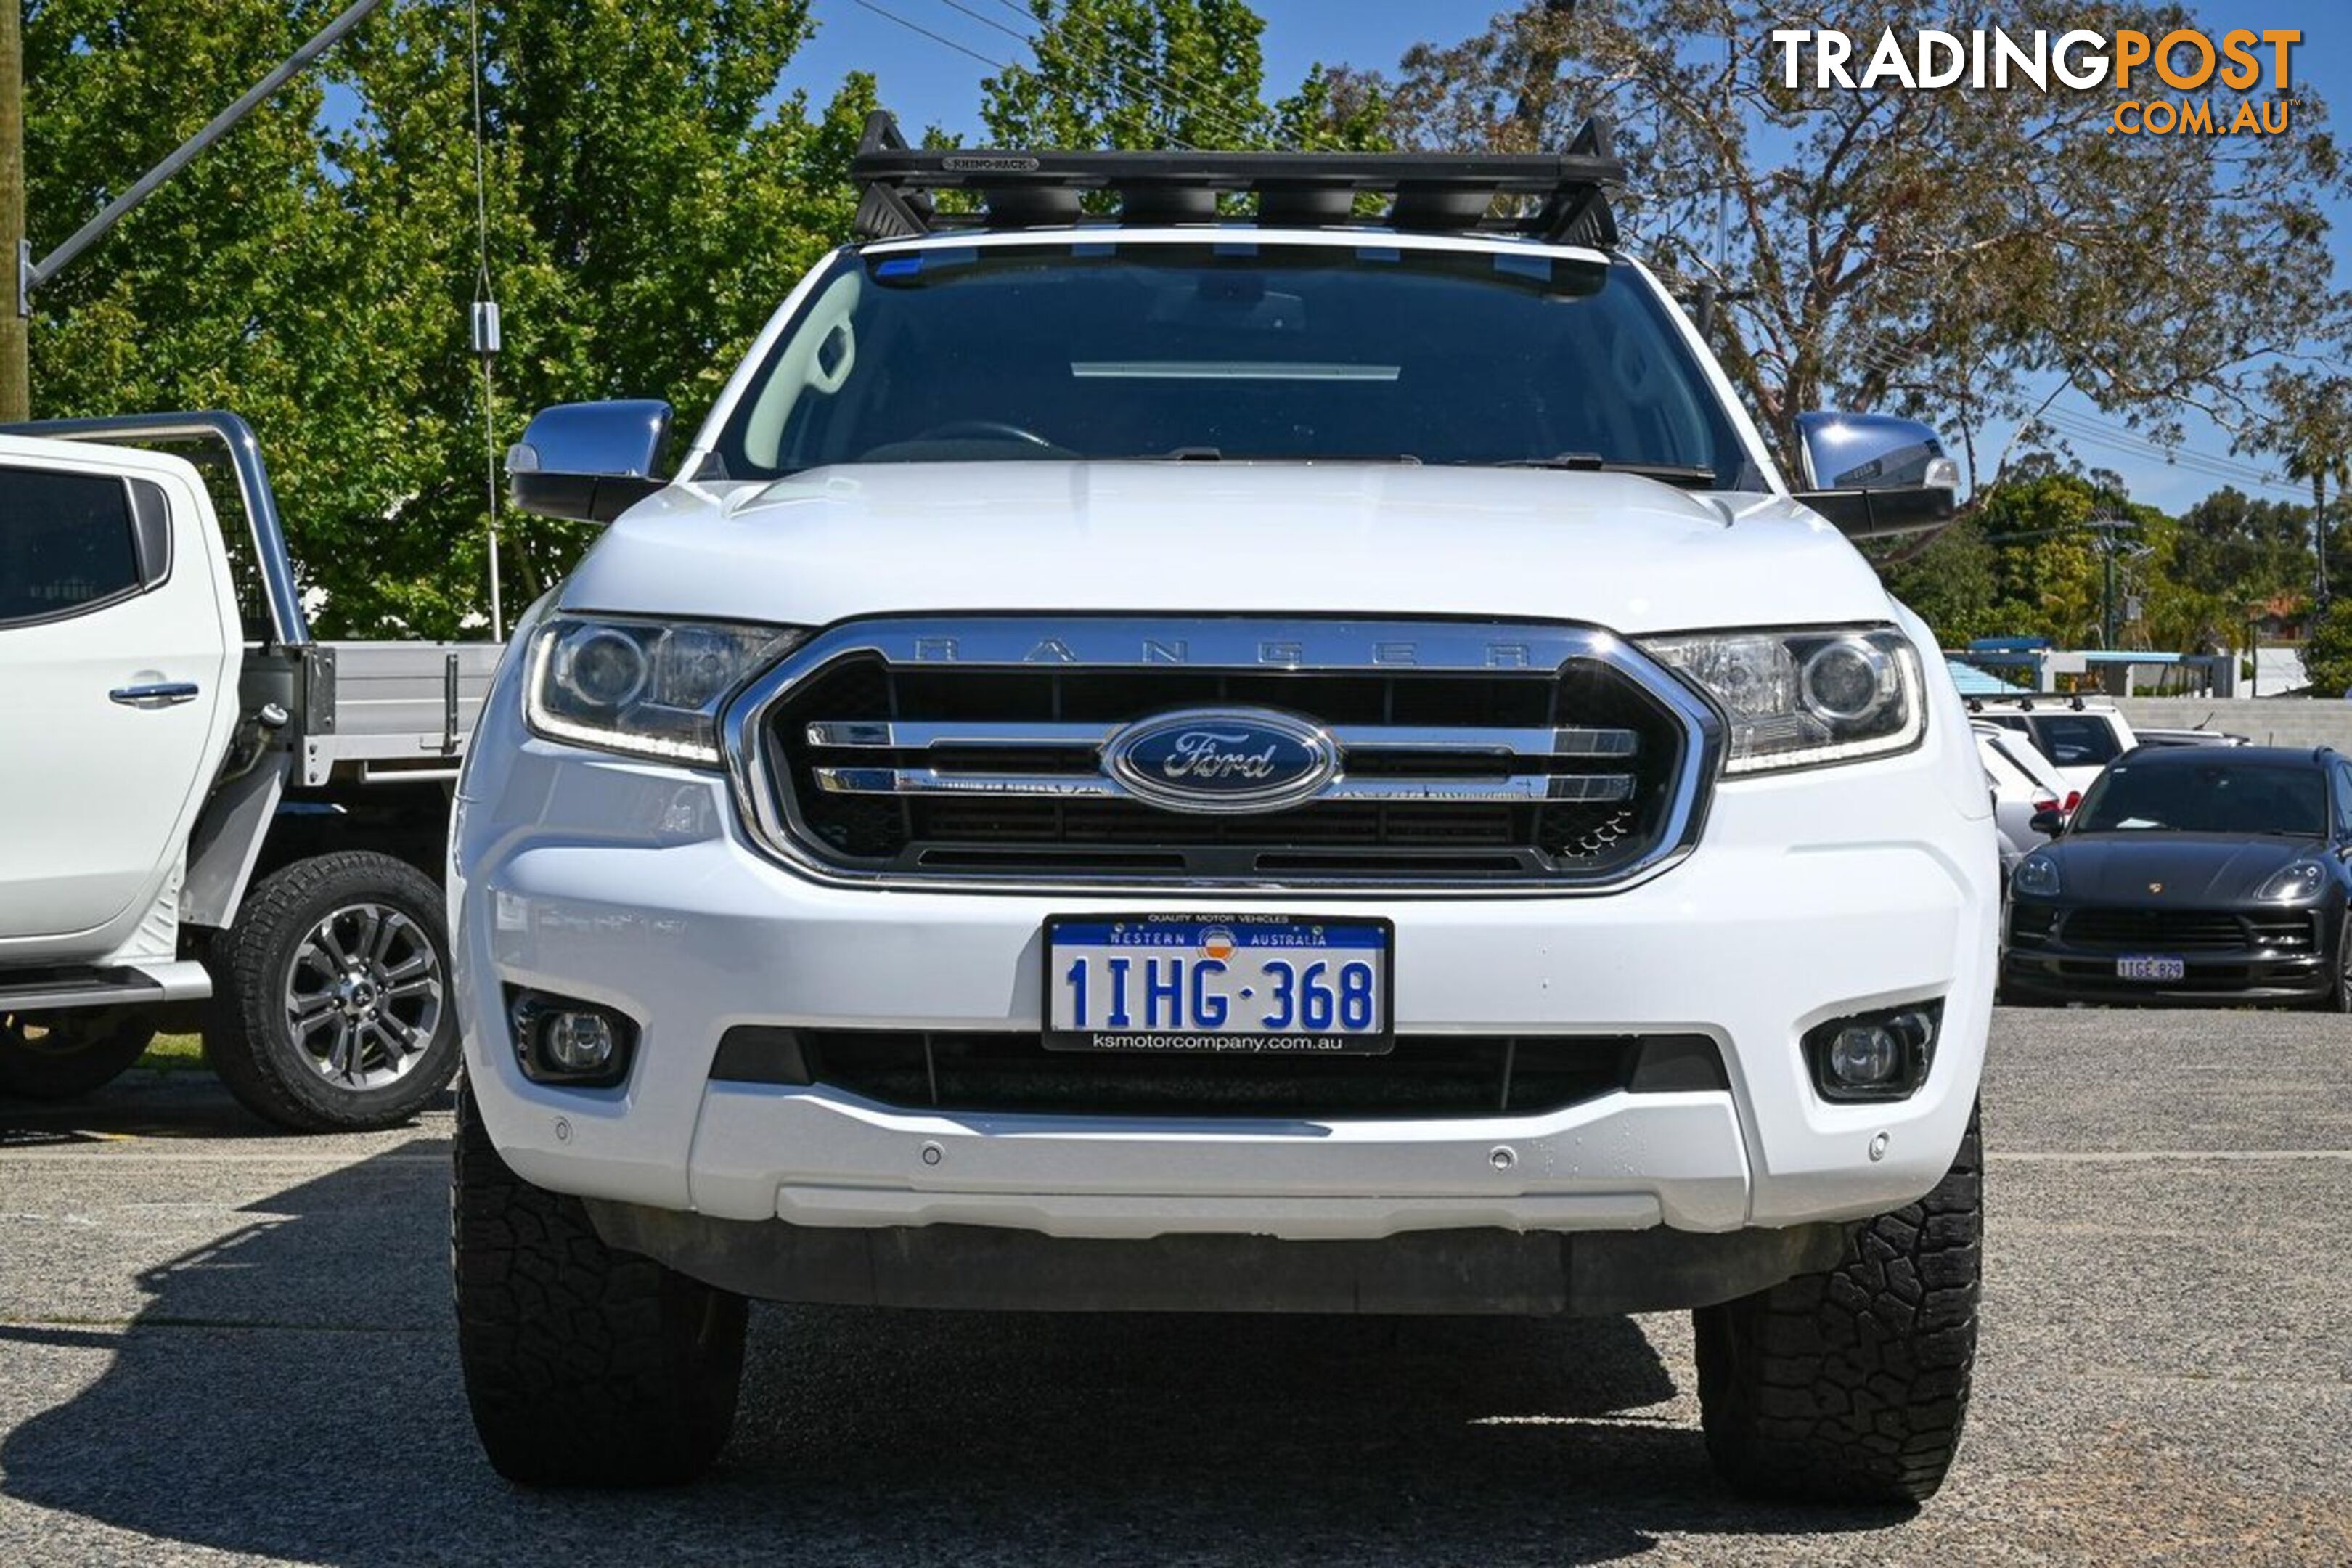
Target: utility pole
x,y
2107,612
2318,528
15,371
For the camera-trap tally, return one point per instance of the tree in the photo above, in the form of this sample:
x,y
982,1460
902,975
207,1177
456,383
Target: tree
x,y
2233,547
651,200
2327,654
2052,580
1954,585
1162,74
1965,256
2312,436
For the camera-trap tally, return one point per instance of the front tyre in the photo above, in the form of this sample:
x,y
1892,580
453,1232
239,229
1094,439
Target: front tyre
x,y
331,1003
64,1056
1851,1387
584,1365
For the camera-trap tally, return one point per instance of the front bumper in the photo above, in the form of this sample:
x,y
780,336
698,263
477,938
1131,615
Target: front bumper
x,y
1811,896
2038,965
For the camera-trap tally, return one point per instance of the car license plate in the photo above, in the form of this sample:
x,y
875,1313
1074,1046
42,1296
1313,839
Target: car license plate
x,y
1267,984
2141,967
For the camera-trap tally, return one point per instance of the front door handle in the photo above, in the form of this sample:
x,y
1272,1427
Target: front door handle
x,y
155,693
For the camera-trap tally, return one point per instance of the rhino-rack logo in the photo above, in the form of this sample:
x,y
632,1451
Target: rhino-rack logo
x,y
2185,60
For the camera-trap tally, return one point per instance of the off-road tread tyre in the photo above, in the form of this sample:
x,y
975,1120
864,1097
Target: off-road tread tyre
x,y
245,1037
1851,1387
584,1365
120,1036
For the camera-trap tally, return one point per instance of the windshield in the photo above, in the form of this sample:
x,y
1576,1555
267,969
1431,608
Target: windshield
x,y
2074,740
2207,798
1230,349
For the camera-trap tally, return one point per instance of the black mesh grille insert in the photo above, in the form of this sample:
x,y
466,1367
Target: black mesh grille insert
x,y
982,832
2167,929
1423,1075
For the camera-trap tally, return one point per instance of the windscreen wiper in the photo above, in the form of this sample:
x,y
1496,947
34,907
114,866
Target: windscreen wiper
x,y
1594,463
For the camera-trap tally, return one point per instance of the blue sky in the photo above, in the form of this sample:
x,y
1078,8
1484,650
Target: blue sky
x,y
928,81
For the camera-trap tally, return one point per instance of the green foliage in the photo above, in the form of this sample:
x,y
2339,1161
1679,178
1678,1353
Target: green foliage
x,y
2242,551
2327,656
1954,585
2026,563
1163,74
2311,432
651,201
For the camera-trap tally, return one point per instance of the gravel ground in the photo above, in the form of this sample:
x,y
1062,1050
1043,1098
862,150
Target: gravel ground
x,y
216,1345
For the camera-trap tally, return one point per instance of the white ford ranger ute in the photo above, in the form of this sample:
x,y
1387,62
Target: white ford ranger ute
x,y
1224,754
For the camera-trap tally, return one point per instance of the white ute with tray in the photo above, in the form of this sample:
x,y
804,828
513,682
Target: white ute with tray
x,y
1224,755
209,819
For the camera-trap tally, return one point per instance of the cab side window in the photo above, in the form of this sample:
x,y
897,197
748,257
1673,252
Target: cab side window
x,y
68,543
2344,800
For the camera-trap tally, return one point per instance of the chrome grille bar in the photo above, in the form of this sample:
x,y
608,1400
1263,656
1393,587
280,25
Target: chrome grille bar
x,y
1514,788
915,735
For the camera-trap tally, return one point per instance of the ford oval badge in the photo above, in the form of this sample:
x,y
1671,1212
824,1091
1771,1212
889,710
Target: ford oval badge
x,y
1222,759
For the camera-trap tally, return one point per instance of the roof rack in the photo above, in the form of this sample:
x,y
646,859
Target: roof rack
x,y
1566,194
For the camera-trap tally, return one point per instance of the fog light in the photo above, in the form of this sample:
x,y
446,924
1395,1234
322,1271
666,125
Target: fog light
x,y
1864,1055
1881,1055
578,1042
559,1040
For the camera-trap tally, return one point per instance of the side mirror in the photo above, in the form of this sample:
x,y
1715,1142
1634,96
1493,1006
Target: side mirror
x,y
2050,824
1873,474
589,461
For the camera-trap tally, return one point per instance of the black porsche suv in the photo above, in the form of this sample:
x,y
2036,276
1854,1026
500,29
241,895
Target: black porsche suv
x,y
2188,875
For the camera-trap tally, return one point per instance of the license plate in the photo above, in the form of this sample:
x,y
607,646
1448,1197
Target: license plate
x,y
1269,985
2146,968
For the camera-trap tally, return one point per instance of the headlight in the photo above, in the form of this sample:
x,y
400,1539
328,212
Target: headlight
x,y
2292,884
2037,876
1799,698
651,689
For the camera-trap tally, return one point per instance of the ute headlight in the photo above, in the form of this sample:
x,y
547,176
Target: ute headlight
x,y
649,688
2037,876
1800,699
2292,884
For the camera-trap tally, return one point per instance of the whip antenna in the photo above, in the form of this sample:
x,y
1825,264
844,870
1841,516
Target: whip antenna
x,y
484,319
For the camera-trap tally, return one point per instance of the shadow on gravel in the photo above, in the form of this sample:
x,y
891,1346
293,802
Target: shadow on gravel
x,y
291,1391
183,1102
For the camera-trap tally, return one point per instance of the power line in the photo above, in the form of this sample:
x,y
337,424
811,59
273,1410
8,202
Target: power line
x,y
2082,426
935,37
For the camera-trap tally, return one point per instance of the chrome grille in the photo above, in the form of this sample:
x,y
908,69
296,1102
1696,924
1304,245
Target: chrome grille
x,y
1471,763
1475,755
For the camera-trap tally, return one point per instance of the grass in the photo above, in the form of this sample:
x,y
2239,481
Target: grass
x,y
174,1053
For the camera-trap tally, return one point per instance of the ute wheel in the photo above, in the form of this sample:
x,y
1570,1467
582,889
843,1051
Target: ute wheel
x,y
1851,1387
584,1365
63,1055
331,1008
